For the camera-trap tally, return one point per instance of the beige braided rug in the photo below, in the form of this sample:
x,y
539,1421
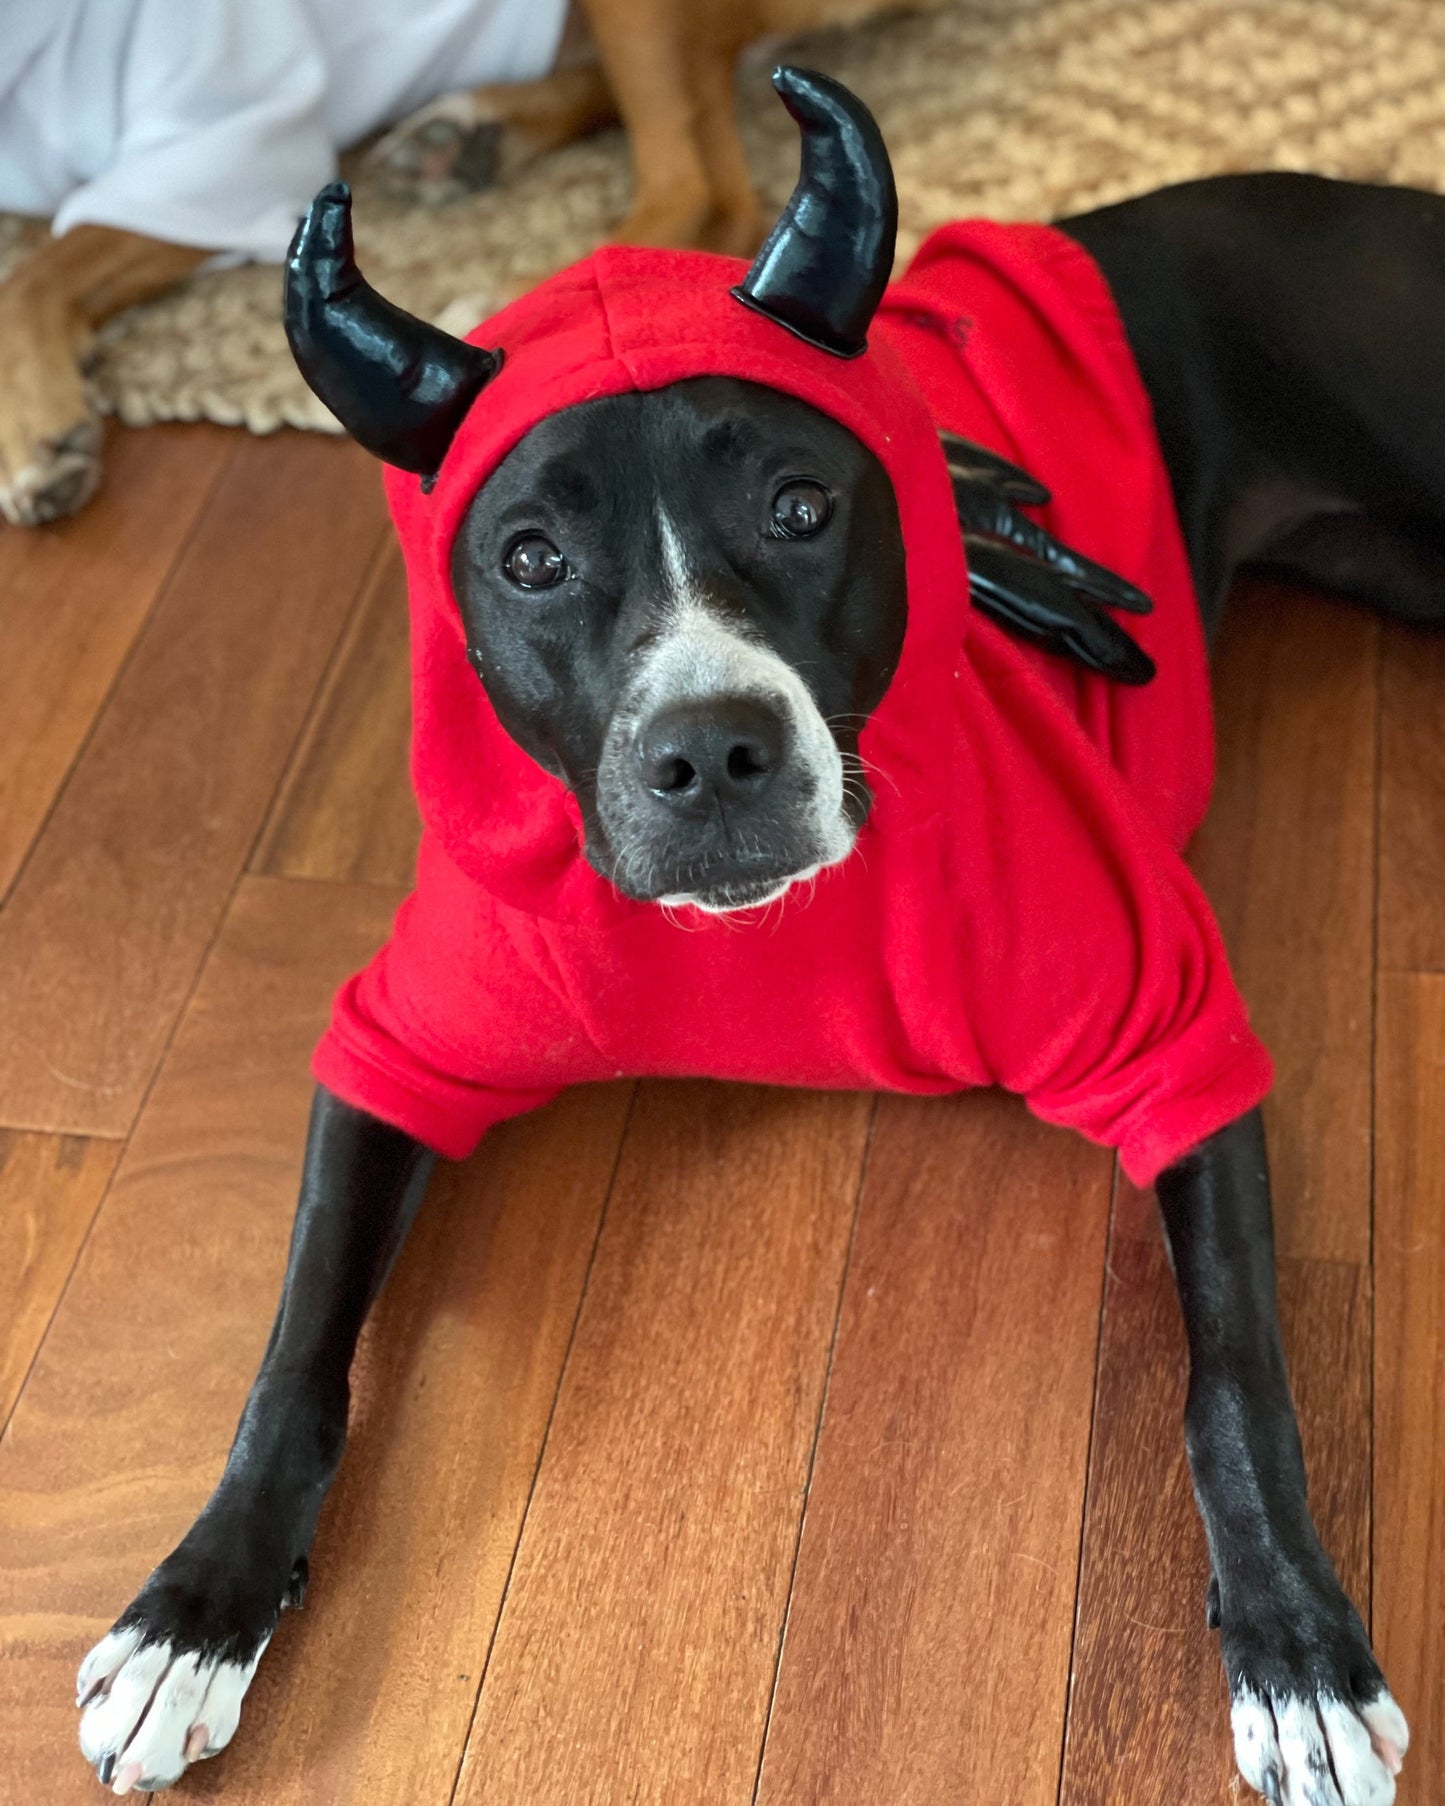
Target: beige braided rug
x,y
1012,108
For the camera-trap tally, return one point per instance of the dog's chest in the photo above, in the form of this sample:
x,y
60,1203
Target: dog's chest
x,y
855,985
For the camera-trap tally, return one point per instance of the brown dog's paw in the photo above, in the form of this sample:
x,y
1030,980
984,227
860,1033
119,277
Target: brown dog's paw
x,y
51,476
452,148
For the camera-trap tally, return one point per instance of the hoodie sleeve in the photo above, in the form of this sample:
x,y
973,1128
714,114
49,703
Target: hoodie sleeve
x,y
1096,975
458,1022
1154,1051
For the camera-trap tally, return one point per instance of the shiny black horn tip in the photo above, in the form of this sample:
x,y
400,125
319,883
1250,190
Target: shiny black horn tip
x,y
399,386
826,263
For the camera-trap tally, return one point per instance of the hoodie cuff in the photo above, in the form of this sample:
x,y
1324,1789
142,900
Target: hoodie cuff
x,y
1170,1130
446,1115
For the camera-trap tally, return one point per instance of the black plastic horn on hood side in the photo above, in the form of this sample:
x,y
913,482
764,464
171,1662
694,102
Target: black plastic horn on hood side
x,y
400,387
825,265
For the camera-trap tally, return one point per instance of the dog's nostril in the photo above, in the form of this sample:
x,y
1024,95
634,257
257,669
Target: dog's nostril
x,y
748,761
672,774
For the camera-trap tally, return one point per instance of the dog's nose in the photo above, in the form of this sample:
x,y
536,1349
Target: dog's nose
x,y
696,754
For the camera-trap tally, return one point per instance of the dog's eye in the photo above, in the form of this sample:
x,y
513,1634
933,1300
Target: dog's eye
x,y
534,563
800,509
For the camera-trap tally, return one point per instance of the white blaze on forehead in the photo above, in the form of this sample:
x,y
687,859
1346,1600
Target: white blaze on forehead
x,y
699,655
674,558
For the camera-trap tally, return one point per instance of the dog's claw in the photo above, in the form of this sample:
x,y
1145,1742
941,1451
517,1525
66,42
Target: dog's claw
x,y
1213,1612
105,1769
1272,1787
296,1586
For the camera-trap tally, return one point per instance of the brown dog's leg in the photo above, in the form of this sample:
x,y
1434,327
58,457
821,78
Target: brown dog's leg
x,y
643,47
49,434
736,223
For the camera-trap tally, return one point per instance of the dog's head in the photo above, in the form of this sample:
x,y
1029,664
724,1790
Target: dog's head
x,y
685,603
683,600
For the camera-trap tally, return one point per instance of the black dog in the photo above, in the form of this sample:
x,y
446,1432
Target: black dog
x,y
1286,330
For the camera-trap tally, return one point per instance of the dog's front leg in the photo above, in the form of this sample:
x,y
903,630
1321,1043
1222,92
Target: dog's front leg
x,y
164,1687
1314,1724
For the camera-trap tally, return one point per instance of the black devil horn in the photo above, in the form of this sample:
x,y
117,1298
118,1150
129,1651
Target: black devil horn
x,y
827,261
400,387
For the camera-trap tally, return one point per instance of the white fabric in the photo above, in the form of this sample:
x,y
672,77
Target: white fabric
x,y
213,122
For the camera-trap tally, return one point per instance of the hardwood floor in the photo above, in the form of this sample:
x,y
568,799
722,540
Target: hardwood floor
x,y
710,1445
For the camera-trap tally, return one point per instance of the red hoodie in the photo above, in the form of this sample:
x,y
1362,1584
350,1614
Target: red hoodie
x,y
1016,911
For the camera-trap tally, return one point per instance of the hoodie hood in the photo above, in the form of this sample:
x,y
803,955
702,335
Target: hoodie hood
x,y
631,320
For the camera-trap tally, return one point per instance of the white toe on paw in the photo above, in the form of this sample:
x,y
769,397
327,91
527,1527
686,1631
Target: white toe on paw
x,y
107,1725
1364,1779
103,1663
1308,1780
157,1750
221,1709
1255,1749
1391,1735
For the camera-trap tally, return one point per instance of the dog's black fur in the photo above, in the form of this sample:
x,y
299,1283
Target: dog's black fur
x,y
1287,330
559,657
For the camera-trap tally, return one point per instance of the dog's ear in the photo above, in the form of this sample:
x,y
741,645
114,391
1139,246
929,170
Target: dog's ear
x,y
826,263
400,387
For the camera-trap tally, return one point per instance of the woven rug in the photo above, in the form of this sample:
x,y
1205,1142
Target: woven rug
x,y
1016,109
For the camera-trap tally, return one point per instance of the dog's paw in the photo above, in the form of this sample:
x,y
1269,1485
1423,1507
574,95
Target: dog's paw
x,y
50,436
45,476
163,1688
452,148
1316,1749
150,1709
1313,1721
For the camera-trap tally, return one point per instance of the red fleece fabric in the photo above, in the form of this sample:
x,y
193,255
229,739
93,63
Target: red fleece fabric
x,y
1016,911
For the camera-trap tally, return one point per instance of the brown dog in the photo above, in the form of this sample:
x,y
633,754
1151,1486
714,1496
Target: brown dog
x,y
664,68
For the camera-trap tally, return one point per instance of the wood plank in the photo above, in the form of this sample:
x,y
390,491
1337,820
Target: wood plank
x,y
927,1652
635,1656
1409,1548
346,809
73,599
454,1385
50,1186
1149,1717
103,934
1287,859
124,1425
1412,800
